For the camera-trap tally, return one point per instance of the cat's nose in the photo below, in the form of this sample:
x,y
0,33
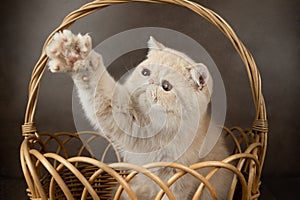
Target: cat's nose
x,y
151,81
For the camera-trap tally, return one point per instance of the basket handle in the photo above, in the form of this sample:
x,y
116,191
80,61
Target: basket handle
x,y
260,120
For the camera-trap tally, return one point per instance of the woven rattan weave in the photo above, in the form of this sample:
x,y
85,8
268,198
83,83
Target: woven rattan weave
x,y
53,170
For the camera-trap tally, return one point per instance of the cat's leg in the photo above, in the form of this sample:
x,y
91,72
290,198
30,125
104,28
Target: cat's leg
x,y
186,186
183,187
143,187
73,55
99,94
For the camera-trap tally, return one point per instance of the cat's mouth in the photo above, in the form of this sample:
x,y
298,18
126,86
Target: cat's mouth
x,y
151,93
140,99
145,94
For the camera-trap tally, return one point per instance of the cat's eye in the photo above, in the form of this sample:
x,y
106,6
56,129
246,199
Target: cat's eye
x,y
146,72
166,85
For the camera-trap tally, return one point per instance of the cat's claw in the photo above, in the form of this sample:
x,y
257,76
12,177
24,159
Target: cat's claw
x,y
66,49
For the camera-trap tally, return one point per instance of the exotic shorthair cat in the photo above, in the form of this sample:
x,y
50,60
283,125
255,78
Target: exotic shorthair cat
x,y
160,114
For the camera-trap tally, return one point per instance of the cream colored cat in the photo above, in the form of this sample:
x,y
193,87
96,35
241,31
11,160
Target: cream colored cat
x,y
159,114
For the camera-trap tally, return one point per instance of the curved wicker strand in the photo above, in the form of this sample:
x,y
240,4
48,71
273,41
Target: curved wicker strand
x,y
87,147
26,172
107,169
53,172
258,165
74,170
234,138
253,169
184,170
212,17
27,156
110,144
264,139
146,172
61,147
219,164
95,175
239,166
192,168
241,156
105,152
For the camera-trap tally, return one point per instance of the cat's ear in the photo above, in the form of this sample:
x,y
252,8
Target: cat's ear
x,y
201,76
153,44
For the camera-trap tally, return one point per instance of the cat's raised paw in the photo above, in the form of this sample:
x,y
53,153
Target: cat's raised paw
x,y
66,50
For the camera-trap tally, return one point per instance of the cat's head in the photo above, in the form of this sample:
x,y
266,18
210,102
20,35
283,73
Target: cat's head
x,y
197,73
171,96
168,76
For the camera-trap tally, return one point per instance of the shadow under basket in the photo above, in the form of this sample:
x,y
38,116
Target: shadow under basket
x,y
62,166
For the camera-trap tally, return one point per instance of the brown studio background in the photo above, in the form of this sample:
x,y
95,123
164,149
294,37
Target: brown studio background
x,y
269,29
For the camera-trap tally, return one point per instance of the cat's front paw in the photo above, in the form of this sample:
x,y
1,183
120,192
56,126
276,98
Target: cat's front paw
x,y
66,50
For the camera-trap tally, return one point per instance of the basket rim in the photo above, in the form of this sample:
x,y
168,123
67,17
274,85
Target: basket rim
x,y
33,159
260,120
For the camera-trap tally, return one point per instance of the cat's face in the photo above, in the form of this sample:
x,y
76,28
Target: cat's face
x,y
155,83
170,79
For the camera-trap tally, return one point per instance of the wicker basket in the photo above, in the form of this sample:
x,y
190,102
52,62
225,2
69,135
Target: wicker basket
x,y
52,171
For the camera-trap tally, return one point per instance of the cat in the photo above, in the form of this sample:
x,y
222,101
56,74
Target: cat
x,y
160,113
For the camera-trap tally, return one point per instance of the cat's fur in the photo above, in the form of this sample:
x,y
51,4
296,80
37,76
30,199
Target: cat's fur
x,y
147,122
